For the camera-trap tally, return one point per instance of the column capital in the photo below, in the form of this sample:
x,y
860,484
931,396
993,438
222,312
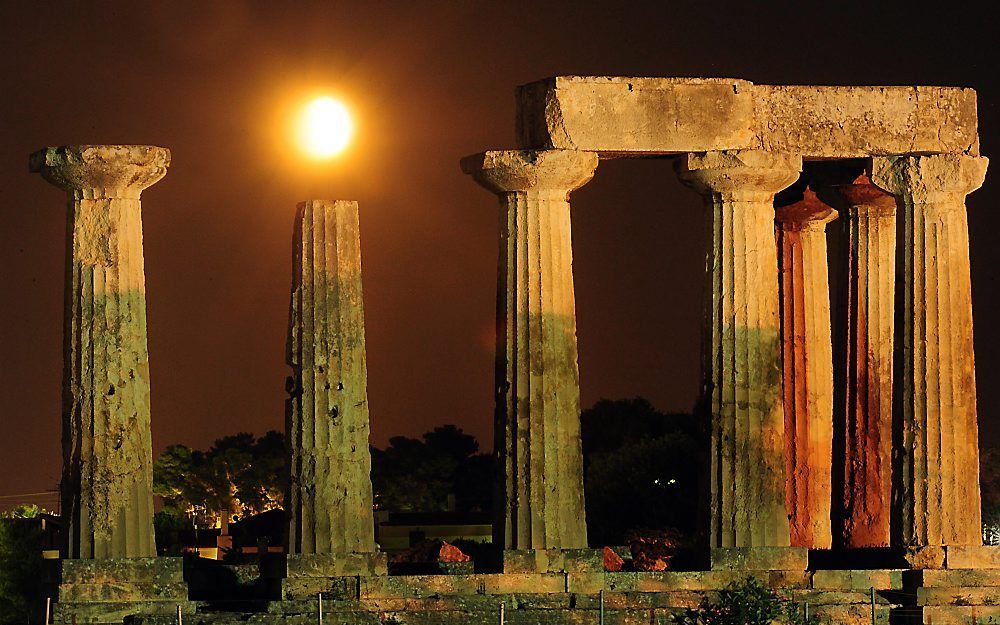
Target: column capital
x,y
809,213
102,171
862,194
739,174
511,171
929,178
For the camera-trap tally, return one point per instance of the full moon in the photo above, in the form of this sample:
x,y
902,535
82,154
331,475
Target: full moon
x,y
325,127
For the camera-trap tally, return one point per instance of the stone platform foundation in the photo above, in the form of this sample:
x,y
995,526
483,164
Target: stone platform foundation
x,y
109,590
570,598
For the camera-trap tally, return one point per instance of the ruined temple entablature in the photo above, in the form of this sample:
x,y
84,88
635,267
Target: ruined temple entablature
x,y
615,115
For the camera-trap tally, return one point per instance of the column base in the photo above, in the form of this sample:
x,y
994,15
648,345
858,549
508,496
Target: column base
x,y
760,559
108,590
334,575
553,561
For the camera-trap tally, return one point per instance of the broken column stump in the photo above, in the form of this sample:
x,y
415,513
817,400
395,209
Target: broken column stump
x,y
329,498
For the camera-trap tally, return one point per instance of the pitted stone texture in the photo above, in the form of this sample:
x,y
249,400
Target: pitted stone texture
x,y
330,495
940,441
96,171
865,501
760,558
108,590
741,364
642,115
807,366
537,376
107,449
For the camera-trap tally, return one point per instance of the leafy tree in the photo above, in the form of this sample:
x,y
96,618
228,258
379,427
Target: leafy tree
x,y
23,511
239,476
642,470
413,475
20,566
746,603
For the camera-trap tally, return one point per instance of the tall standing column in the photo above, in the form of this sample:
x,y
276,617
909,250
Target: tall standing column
x,y
866,421
939,478
537,377
107,452
742,343
807,366
329,499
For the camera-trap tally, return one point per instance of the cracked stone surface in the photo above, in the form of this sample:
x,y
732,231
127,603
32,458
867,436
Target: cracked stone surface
x,y
537,376
107,451
329,499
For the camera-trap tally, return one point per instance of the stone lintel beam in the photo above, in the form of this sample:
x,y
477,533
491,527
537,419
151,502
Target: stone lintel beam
x,y
742,343
866,416
107,450
537,376
615,115
939,473
329,498
807,366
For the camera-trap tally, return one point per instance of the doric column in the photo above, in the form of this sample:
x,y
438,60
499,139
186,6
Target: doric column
x,y
107,452
329,499
866,420
939,479
807,366
537,377
742,343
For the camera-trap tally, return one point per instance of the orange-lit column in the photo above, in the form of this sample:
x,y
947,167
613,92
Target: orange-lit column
x,y
940,441
742,345
537,379
108,458
807,365
866,421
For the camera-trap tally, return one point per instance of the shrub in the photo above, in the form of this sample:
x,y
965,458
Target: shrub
x,y
746,603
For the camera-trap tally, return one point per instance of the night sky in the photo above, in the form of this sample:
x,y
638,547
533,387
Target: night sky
x,y
219,82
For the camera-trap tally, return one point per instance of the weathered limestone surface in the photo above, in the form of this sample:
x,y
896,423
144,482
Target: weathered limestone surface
x,y
621,115
940,450
742,343
108,590
107,452
865,500
329,499
807,365
537,376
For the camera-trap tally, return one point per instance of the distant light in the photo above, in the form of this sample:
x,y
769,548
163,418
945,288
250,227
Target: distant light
x,y
325,128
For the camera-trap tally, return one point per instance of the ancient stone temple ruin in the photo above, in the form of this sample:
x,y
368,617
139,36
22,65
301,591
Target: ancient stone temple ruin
x,y
844,462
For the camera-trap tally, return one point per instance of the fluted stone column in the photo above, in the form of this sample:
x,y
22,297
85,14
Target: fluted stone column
x,y
329,499
537,378
107,452
866,421
807,365
940,453
742,344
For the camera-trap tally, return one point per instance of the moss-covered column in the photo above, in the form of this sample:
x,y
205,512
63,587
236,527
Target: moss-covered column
x,y
939,472
329,498
107,453
537,379
866,427
742,343
807,365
